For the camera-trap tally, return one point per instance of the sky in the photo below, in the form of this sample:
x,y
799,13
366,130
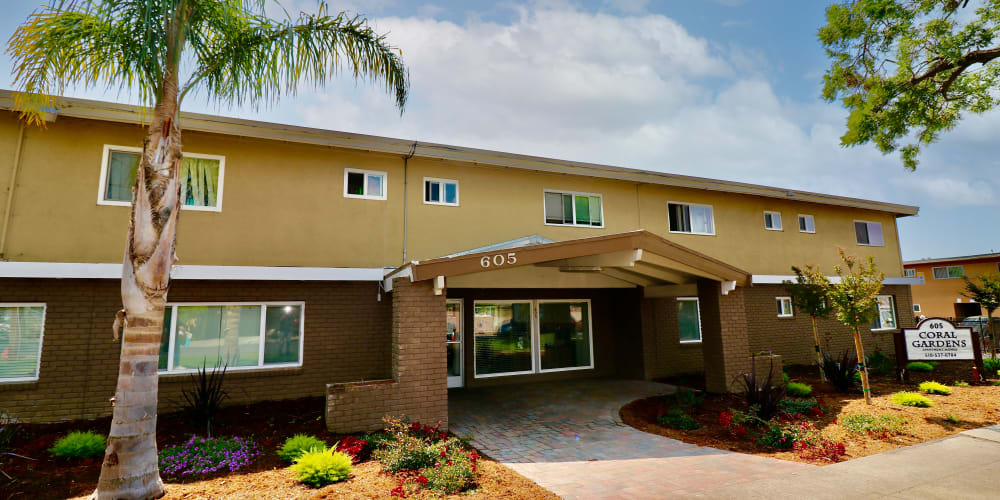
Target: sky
x,y
727,89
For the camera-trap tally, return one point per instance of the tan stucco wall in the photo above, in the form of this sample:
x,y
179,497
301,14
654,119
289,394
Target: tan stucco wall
x,y
283,205
938,297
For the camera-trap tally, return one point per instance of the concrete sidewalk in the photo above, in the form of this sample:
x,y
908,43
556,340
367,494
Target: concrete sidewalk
x,y
963,466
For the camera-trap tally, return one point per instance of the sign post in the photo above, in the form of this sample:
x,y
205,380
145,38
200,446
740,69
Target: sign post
x,y
937,339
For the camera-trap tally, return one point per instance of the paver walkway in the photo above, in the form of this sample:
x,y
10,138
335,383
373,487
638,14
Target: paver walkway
x,y
568,437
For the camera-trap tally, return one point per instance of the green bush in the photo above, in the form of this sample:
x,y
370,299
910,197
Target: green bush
x,y
793,406
675,418
991,366
884,426
912,399
798,389
687,398
961,383
452,474
298,444
79,445
879,363
934,388
919,366
321,466
784,377
406,450
784,436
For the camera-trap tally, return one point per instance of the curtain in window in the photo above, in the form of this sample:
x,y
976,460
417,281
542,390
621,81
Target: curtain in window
x,y
122,166
680,217
701,219
199,182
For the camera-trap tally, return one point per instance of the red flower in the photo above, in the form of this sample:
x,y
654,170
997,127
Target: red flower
x,y
444,453
448,462
398,492
421,479
473,467
473,456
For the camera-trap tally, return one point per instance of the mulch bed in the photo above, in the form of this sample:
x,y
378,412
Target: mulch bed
x,y
268,423
966,408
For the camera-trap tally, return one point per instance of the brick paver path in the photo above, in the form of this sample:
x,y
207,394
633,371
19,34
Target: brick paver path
x,y
568,437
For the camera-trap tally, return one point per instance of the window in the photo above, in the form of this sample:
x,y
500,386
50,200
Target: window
x,y
238,335
689,319
440,192
21,328
947,272
573,209
909,273
868,233
785,307
367,184
807,224
531,336
916,308
886,317
690,218
201,178
772,221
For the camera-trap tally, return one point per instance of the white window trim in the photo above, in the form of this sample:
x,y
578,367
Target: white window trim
x,y
106,157
791,307
263,325
947,273
690,205
916,308
41,342
813,219
536,348
881,228
766,213
701,333
442,182
895,315
574,194
385,183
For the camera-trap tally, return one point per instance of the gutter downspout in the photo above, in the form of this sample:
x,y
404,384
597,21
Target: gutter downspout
x,y
406,159
10,192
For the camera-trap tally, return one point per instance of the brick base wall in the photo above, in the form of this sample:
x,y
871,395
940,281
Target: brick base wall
x,y
347,337
663,352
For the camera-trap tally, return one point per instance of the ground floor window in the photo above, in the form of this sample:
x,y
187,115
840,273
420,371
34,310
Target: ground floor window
x,y
886,317
784,307
689,319
238,336
531,336
21,328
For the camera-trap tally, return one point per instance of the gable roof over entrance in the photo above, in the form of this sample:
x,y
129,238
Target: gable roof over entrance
x,y
638,257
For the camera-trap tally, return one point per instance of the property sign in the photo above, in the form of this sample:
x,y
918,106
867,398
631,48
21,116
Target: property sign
x,y
938,339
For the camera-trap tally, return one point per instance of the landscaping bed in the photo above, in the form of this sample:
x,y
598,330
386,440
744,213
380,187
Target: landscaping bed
x,y
841,418
261,430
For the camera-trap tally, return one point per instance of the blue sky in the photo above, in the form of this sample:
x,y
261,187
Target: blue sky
x,y
726,89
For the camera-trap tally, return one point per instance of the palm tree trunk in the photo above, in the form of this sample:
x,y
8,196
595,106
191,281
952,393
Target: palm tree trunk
x,y
819,355
860,348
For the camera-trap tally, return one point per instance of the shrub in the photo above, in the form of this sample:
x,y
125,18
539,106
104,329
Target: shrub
x,y
951,419
207,455
991,365
961,383
9,427
687,398
761,395
878,426
784,377
675,418
320,466
824,449
354,447
784,436
919,366
798,389
879,363
798,406
298,444
737,422
410,448
203,401
934,388
912,399
79,445
454,473
840,373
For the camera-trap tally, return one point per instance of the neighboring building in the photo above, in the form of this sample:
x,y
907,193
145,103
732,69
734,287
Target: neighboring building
x,y
939,292
380,272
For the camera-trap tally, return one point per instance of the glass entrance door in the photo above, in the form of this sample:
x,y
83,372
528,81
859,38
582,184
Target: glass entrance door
x,y
454,342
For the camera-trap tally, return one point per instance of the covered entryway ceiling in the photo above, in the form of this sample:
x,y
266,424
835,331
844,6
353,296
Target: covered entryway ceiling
x,y
639,258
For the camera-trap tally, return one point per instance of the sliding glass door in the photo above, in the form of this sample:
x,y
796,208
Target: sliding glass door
x,y
536,336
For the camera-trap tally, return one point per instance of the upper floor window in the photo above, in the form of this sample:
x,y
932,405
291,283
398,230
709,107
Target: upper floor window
x,y
21,328
909,273
368,184
235,335
869,233
440,191
785,307
772,221
886,317
568,208
200,175
807,224
947,272
690,218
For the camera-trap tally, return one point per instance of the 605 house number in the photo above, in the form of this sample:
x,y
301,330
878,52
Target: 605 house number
x,y
498,260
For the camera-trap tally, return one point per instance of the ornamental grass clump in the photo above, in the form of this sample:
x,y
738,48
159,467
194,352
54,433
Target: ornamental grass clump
x,y
199,456
298,444
798,389
935,388
319,467
912,399
881,427
79,445
919,366
840,372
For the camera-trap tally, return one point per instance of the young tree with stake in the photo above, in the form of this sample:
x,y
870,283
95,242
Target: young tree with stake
x,y
808,293
233,53
987,294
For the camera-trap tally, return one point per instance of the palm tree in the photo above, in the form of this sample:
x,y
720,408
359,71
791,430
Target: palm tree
x,y
232,52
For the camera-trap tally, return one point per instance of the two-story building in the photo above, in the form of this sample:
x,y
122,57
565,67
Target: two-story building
x,y
940,290
381,272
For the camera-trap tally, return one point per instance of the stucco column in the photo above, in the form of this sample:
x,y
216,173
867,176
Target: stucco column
x,y
725,341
